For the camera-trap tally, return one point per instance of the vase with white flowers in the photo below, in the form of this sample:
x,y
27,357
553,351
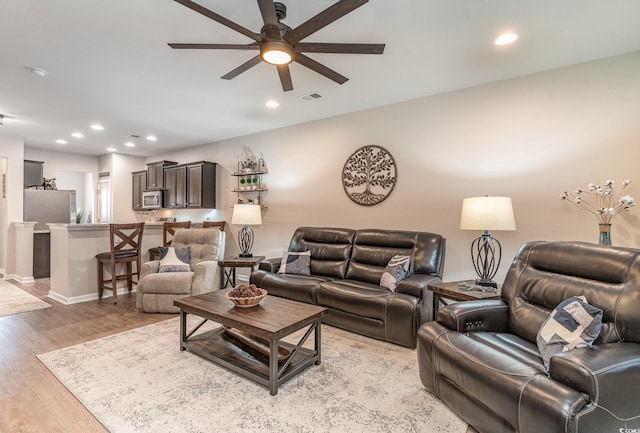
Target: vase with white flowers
x,y
603,203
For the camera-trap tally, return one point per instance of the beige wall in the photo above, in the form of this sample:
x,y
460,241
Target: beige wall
x,y
529,138
11,148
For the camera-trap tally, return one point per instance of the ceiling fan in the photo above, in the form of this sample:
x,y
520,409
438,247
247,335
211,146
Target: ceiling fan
x,y
280,45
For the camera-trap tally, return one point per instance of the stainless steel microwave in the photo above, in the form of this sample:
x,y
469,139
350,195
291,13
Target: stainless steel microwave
x,y
152,199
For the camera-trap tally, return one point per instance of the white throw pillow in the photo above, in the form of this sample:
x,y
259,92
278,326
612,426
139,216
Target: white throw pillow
x,y
397,269
573,323
174,259
295,262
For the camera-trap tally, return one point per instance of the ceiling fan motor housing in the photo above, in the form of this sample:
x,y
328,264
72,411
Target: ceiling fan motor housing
x,y
281,10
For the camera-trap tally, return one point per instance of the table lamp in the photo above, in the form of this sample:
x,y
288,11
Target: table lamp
x,y
246,214
486,213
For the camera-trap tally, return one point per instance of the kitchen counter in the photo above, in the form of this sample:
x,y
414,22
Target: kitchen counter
x,y
74,269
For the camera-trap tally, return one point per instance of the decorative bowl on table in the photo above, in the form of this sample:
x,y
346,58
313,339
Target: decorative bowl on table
x,y
246,295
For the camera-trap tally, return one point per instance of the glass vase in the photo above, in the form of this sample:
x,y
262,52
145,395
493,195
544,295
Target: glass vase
x,y
605,234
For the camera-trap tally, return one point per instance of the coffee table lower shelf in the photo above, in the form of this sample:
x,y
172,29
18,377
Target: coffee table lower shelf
x,y
220,347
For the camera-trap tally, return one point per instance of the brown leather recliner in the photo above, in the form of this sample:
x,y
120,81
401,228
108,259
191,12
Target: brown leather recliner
x,y
482,360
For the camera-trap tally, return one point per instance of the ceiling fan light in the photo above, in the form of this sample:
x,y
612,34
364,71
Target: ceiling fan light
x,y
276,53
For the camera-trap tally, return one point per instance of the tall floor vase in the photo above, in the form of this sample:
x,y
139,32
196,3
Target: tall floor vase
x,y
605,234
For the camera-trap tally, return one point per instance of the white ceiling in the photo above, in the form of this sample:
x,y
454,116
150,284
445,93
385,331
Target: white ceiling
x,y
108,62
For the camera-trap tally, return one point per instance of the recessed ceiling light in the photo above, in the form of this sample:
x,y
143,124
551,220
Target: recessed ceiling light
x,y
97,127
151,137
506,39
272,104
130,144
77,134
61,141
111,149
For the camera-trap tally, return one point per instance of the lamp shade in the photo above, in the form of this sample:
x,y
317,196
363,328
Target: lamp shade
x,y
247,214
487,213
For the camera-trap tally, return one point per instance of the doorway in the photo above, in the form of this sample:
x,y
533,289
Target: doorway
x,y
104,200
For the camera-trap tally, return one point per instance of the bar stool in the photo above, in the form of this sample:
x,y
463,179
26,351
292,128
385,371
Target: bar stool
x,y
168,232
125,242
209,224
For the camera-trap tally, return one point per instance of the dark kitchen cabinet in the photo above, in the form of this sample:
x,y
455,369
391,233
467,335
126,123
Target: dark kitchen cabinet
x,y
191,185
175,182
155,174
139,182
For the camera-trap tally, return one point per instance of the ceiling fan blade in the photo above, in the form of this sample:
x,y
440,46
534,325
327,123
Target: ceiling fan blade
x,y
324,18
271,25
219,18
243,67
285,77
320,69
319,47
253,46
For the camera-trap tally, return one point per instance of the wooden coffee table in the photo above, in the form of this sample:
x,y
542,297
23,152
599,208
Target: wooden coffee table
x,y
265,324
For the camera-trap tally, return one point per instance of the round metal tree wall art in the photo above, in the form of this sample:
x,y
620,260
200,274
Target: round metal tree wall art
x,y
369,175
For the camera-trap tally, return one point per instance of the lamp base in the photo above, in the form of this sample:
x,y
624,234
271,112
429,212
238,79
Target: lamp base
x,y
245,255
487,283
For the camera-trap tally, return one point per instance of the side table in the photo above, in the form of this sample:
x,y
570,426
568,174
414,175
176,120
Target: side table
x,y
229,264
452,290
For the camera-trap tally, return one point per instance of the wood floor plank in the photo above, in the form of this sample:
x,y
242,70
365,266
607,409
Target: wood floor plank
x,y
31,398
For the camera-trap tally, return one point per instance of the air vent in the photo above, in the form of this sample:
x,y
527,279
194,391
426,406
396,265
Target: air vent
x,y
312,96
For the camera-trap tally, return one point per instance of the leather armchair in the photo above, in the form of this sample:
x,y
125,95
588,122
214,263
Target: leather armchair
x,y
482,360
156,291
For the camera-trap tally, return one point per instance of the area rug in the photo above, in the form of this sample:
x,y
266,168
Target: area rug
x,y
139,381
14,300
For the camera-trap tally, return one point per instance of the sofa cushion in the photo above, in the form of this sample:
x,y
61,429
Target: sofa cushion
x,y
167,282
573,323
330,249
356,297
295,263
205,244
302,288
174,259
396,270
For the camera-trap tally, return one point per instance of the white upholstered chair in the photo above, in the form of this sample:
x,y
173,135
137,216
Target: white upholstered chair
x,y
156,291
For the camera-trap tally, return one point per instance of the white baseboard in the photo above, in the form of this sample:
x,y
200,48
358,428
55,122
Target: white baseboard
x,y
83,298
242,278
19,278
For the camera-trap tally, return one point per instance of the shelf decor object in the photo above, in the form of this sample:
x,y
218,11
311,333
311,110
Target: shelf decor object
x,y
247,215
250,186
603,203
369,175
486,213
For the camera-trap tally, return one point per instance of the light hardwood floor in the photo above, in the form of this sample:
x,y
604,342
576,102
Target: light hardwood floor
x,y
31,398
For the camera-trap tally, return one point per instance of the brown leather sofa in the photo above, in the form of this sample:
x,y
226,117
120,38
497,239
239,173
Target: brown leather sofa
x,y
346,267
482,360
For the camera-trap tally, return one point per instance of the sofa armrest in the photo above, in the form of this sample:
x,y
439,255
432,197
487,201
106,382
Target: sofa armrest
x,y
606,372
151,267
270,265
205,277
416,285
489,315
